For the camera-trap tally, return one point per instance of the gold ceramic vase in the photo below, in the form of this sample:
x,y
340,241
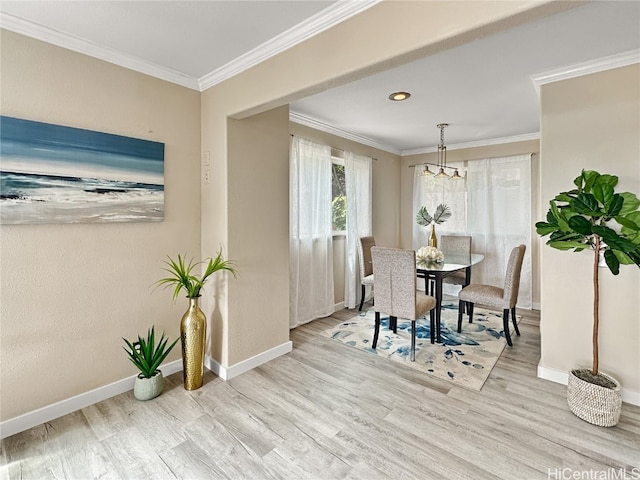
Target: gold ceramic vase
x,y
193,329
433,240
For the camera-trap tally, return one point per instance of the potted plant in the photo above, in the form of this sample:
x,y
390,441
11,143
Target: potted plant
x,y
580,219
193,323
147,357
441,215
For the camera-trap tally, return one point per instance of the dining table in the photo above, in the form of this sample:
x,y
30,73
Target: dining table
x,y
434,272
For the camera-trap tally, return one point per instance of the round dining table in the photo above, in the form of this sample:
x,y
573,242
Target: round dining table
x,y
434,272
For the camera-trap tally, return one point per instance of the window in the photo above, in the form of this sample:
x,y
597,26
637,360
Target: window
x,y
339,196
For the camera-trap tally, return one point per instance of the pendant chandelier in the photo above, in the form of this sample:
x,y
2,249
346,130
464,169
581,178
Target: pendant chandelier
x,y
442,160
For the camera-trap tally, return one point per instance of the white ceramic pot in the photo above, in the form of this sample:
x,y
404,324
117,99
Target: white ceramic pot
x,y
148,388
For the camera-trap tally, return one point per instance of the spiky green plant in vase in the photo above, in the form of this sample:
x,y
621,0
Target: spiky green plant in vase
x,y
182,276
193,323
424,218
147,357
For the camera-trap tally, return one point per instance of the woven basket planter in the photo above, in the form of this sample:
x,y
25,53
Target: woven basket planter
x,y
594,403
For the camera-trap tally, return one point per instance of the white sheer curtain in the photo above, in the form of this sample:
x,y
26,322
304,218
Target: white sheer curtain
x,y
429,191
499,191
357,172
311,245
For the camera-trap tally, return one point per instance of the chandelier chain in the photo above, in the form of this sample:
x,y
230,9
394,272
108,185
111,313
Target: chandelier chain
x,y
442,126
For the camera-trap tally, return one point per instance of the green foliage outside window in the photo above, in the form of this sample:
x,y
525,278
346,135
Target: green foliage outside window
x,y
339,208
339,198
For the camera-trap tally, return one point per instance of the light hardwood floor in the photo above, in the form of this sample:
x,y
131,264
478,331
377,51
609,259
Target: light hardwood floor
x,y
328,411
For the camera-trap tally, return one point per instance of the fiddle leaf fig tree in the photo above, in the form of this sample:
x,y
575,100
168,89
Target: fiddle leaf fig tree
x,y
593,216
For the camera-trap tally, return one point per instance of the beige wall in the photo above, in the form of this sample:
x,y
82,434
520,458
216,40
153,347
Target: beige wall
x,y
591,122
470,154
258,215
70,292
380,37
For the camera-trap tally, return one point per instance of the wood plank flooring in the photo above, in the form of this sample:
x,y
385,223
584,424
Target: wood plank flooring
x,y
328,411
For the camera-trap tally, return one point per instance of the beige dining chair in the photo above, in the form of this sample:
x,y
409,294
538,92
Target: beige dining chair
x,y
451,245
366,269
456,245
495,297
394,273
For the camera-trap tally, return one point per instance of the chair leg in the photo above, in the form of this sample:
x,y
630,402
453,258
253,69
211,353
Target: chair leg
x,y
362,298
413,340
393,324
460,313
432,325
513,319
505,326
377,331
470,311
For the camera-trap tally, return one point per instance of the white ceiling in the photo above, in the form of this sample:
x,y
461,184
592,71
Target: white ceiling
x,y
485,89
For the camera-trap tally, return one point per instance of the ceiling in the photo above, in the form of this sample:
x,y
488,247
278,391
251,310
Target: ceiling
x,y
485,90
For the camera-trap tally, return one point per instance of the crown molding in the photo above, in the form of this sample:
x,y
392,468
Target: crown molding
x,y
325,127
594,66
479,143
327,18
48,35
330,16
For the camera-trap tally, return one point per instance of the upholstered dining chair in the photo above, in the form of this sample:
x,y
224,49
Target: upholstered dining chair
x,y
451,245
366,268
456,245
495,297
394,273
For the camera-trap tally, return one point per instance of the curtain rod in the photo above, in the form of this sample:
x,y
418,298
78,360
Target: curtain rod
x,y
471,160
333,148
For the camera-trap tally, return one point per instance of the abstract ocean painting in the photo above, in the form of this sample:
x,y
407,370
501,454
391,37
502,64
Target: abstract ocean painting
x,y
57,174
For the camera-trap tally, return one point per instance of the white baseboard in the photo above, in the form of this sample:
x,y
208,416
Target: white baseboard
x,y
227,373
69,405
558,376
64,407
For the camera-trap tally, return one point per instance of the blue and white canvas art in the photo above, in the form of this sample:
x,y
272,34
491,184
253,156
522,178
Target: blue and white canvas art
x,y
57,174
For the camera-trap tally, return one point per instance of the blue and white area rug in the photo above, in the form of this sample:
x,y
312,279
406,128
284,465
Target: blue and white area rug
x,y
464,359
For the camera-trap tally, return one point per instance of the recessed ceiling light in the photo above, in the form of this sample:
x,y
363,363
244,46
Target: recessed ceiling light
x,y
399,96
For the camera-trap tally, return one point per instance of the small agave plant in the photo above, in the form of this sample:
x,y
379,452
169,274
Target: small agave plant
x,y
146,355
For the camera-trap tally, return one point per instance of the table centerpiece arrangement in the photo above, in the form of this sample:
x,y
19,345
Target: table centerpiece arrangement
x,y
424,218
428,255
